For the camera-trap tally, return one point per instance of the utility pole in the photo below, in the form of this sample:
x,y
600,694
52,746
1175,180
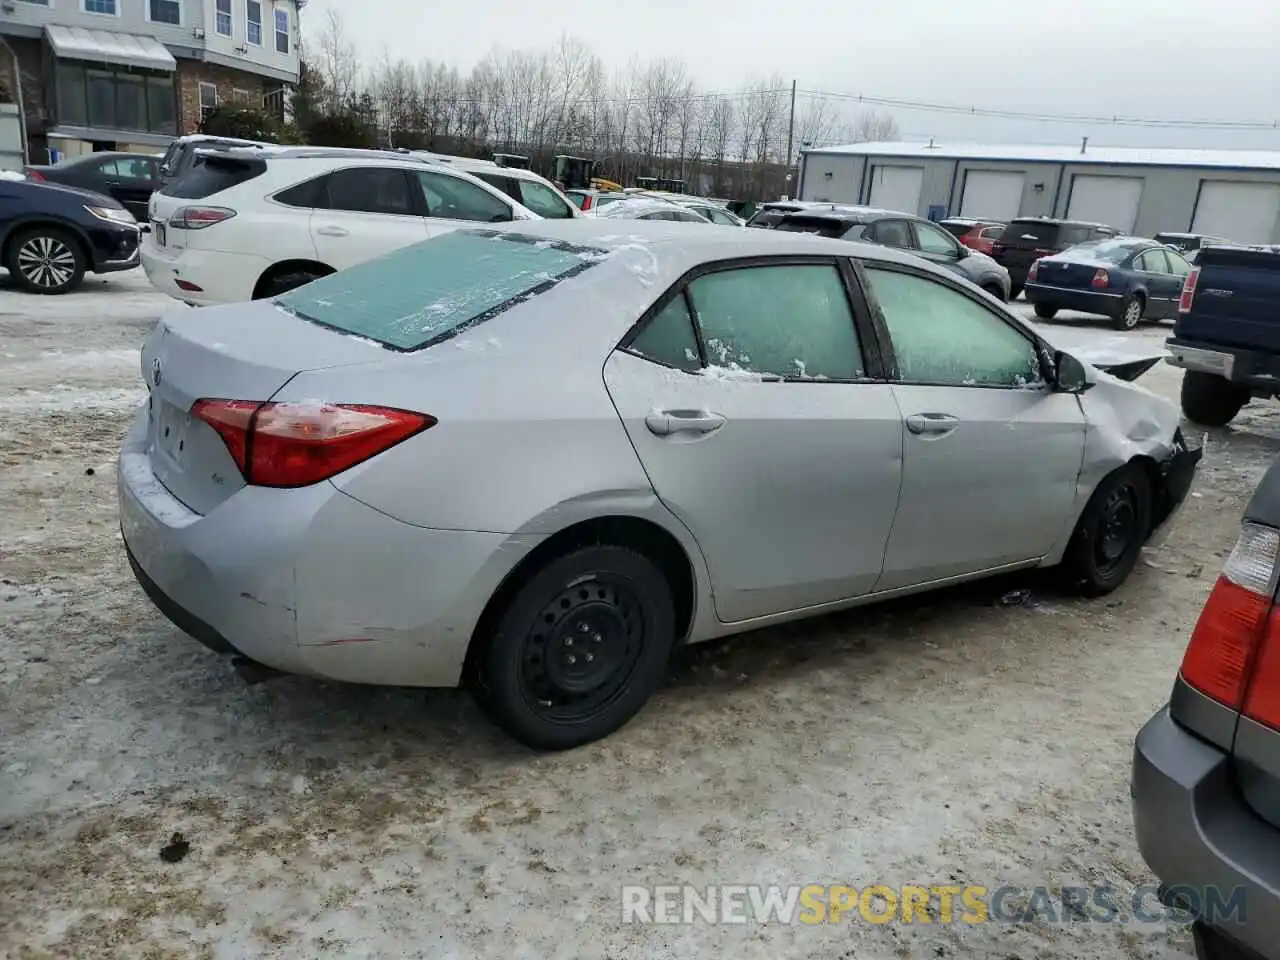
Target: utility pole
x,y
791,130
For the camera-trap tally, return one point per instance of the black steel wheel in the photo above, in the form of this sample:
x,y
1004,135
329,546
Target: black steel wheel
x,y
46,260
578,648
1112,529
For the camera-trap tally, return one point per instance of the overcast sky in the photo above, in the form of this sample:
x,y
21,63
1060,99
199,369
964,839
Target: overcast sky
x,y
1175,59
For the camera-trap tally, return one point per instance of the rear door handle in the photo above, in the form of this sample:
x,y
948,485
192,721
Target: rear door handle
x,y
932,423
665,423
332,231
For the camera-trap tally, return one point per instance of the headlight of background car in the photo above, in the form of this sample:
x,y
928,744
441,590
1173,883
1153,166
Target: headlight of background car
x,y
112,214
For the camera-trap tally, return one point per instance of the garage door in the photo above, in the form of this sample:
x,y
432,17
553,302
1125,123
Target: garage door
x,y
991,194
1109,200
1244,212
897,188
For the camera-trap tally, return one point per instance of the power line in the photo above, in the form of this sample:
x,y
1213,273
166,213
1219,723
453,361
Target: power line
x,y
1076,118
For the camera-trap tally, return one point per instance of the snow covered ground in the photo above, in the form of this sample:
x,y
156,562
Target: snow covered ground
x,y
948,739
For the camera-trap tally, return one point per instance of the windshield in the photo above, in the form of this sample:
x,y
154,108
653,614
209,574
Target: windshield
x,y
1109,251
420,295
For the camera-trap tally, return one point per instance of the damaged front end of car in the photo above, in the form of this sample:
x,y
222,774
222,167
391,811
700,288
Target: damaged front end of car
x,y
1177,472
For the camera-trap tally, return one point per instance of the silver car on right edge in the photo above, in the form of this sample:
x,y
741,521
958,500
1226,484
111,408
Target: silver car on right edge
x,y
1206,768
535,458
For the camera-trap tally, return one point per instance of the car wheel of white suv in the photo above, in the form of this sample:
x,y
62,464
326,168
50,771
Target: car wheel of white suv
x,y
286,281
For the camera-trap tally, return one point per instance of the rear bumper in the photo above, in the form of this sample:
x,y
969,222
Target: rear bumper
x,y
1258,371
1198,836
218,277
309,580
1065,298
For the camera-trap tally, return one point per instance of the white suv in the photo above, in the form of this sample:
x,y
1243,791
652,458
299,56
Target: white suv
x,y
247,224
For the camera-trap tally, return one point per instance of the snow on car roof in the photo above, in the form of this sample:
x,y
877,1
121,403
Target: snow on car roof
x,y
1133,156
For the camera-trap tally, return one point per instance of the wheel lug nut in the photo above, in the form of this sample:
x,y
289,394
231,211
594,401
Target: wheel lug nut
x,y
571,659
583,628
596,638
568,641
588,657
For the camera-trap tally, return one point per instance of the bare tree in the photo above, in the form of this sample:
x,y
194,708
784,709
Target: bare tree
x,y
816,121
338,65
874,127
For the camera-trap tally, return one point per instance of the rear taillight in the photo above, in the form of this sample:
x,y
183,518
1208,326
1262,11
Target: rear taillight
x,y
36,176
1043,252
1101,279
300,443
1035,268
199,218
586,202
997,247
1234,621
1189,291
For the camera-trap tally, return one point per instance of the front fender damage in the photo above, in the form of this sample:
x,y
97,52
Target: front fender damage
x,y
1125,421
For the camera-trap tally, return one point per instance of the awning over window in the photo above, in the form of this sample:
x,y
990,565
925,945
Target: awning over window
x,y
102,46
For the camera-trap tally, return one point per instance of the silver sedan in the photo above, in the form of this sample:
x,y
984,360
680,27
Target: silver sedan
x,y
536,458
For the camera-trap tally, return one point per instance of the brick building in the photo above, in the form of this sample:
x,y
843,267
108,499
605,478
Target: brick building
x,y
133,74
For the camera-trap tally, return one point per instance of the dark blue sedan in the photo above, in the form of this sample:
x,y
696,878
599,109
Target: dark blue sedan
x,y
1128,279
50,235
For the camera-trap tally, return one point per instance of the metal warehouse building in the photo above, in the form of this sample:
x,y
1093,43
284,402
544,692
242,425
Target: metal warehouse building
x,y
1226,193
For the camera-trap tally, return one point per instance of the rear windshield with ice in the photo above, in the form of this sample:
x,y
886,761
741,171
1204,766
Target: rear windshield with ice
x,y
420,295
1108,251
823,226
766,218
1030,233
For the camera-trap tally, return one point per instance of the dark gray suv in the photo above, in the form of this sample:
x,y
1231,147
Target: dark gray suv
x,y
1206,768
890,228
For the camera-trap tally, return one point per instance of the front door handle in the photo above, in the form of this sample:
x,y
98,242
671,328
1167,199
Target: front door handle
x,y
933,423
665,423
332,231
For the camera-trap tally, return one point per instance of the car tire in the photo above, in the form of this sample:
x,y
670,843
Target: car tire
x,y
286,282
1108,538
46,260
1210,400
1046,312
995,290
1130,313
1015,291
578,648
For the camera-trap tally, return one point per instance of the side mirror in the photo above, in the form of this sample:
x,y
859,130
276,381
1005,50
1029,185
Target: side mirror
x,y
962,252
1070,375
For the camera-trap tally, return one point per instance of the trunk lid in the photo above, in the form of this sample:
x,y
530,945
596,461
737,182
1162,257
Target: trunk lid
x,y
243,351
1236,300
1073,274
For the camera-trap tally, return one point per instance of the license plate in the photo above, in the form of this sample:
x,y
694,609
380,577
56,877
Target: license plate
x,y
170,431
158,229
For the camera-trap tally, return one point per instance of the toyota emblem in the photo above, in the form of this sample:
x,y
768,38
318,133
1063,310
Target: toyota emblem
x,y
155,371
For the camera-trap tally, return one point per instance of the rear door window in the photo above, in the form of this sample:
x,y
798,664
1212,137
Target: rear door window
x,y
542,200
384,190
427,292
790,321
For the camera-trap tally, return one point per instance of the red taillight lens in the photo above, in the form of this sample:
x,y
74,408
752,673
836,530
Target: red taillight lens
x,y
1262,702
1035,268
1232,624
1044,252
1189,291
586,202
232,419
199,218
298,444
36,176
1101,278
